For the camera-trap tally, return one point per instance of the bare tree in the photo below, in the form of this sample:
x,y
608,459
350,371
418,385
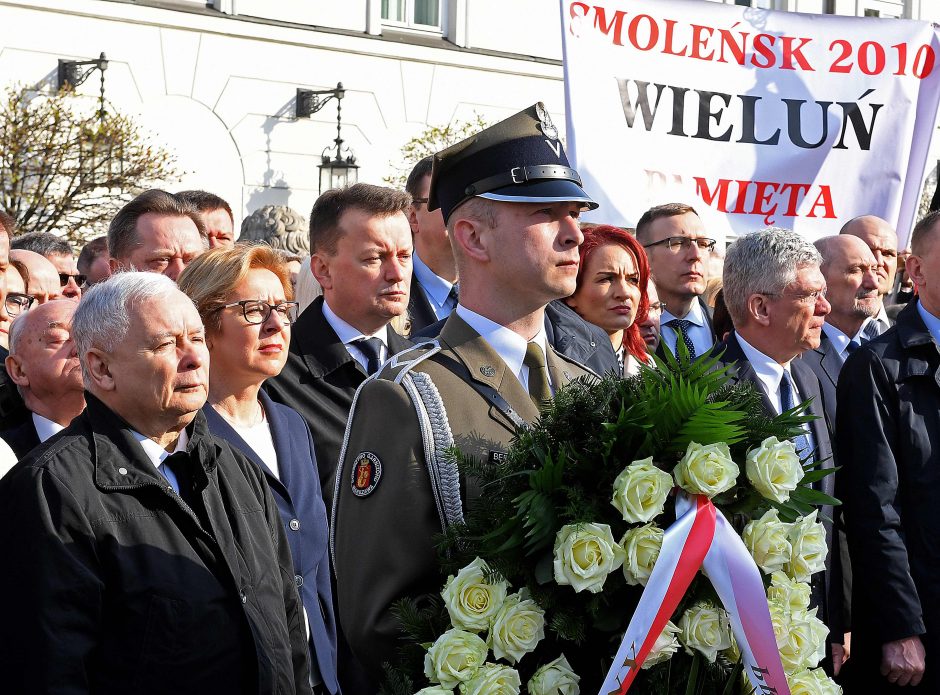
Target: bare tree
x,y
67,171
432,139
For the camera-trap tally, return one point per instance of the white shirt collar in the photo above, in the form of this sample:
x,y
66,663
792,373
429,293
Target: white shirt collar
x,y
347,333
931,321
433,284
156,453
695,316
45,427
509,345
768,370
840,340
882,318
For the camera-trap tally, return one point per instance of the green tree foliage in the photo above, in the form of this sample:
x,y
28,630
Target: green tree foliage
x,y
65,170
432,139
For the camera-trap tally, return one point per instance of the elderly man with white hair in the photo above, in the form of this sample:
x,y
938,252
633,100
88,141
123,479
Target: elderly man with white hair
x,y
142,554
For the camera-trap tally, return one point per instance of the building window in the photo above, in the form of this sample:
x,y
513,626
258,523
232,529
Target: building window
x,y
414,14
881,8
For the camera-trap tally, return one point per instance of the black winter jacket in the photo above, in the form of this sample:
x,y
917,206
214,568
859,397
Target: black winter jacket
x,y
111,584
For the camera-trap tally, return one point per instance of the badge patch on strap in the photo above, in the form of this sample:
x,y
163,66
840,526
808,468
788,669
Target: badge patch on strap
x,y
366,473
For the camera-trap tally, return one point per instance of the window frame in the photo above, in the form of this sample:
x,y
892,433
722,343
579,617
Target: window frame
x,y
410,25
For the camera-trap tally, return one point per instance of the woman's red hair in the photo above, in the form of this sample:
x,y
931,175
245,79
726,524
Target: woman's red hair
x,y
602,235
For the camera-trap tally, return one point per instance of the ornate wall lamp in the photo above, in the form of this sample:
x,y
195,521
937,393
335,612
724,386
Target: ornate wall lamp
x,y
338,168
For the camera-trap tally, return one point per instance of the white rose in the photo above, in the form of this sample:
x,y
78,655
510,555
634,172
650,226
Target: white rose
x,y
808,548
768,541
454,657
472,599
517,628
812,682
493,679
641,548
435,690
706,470
706,629
780,619
792,593
555,678
805,643
664,647
774,469
640,491
584,555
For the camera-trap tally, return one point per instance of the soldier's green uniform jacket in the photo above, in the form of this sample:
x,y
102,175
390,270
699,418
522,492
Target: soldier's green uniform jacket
x,y
396,488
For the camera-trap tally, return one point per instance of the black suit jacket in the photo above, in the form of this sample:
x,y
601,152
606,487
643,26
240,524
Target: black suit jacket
x,y
826,365
420,312
707,312
319,382
22,439
568,333
13,411
888,427
828,596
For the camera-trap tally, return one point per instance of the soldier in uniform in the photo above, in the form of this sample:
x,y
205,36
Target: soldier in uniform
x,y
511,204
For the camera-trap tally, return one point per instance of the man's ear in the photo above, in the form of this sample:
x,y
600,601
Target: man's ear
x,y
758,309
320,267
915,269
413,219
98,364
14,367
468,235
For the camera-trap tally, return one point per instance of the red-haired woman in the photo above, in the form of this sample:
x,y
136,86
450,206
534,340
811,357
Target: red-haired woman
x,y
611,291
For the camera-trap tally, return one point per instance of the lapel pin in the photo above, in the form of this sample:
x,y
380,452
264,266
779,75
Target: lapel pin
x,y
488,371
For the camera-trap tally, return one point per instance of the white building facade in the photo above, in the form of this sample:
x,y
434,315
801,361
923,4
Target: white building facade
x,y
216,81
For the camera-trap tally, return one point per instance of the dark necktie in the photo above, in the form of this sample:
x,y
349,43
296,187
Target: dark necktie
x,y
803,447
452,297
852,346
372,349
871,331
539,389
681,327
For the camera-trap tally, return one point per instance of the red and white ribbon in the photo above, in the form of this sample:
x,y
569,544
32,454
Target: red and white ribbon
x,y
702,538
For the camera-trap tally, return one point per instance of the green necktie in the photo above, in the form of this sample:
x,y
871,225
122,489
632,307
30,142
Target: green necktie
x,y
539,389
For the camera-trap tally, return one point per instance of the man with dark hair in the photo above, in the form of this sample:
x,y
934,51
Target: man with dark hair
x,y
58,252
516,247
887,428
217,215
678,250
93,261
434,282
156,232
882,239
361,255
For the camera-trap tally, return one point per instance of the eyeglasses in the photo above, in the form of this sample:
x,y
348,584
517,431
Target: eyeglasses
x,y
809,298
65,277
16,303
683,243
657,307
418,201
255,311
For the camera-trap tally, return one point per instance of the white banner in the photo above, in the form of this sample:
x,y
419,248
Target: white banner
x,y
753,117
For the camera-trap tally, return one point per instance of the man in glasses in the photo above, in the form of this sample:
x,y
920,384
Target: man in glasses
x,y
434,282
58,252
679,250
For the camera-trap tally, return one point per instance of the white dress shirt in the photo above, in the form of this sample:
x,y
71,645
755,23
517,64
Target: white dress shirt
x,y
510,346
699,332
45,427
841,341
435,288
769,373
7,458
882,320
156,453
349,335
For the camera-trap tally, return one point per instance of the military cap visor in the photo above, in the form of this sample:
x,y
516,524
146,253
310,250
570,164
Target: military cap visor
x,y
518,160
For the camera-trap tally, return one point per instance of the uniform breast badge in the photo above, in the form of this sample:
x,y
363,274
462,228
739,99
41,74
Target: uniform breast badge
x,y
366,473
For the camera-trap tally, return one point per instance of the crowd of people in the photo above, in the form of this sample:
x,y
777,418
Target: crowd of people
x,y
225,460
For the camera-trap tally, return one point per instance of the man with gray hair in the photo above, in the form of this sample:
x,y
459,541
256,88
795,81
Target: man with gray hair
x,y
156,232
776,296
142,554
44,366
